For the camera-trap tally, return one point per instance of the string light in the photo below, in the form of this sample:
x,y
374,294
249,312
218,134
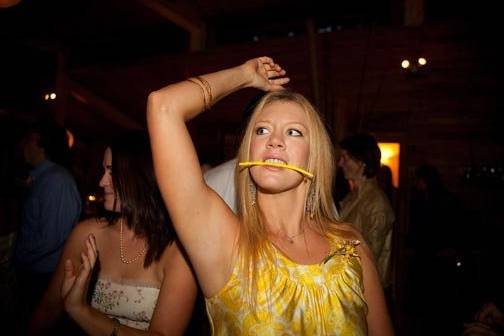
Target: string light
x,y
50,96
413,67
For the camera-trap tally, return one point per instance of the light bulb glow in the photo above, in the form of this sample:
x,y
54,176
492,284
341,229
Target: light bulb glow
x,y
405,64
70,138
390,154
422,61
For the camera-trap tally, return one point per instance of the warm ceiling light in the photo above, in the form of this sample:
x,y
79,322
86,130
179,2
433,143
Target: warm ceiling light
x,y
50,96
405,64
92,198
422,61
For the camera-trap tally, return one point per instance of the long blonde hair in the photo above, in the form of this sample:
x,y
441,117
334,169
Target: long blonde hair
x,y
253,234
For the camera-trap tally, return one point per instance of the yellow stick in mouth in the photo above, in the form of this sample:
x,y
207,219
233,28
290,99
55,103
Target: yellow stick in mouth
x,y
278,165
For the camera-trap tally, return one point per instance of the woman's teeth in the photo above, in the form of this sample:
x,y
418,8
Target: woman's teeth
x,y
275,161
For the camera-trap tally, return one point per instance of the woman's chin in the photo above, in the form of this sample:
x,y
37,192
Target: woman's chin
x,y
109,206
277,187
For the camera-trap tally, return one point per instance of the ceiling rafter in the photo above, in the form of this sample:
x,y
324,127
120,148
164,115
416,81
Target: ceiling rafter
x,y
109,111
182,16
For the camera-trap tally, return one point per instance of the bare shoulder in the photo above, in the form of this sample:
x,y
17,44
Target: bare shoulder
x,y
91,225
173,256
345,231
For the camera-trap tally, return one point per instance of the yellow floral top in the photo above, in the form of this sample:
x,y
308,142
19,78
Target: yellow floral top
x,y
294,299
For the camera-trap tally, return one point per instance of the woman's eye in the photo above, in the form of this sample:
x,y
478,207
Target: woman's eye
x,y
294,132
261,130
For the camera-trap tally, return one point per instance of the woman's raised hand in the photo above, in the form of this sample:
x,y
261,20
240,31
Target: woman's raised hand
x,y
265,74
75,286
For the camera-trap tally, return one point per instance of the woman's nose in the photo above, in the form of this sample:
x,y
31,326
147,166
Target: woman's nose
x,y
275,141
104,181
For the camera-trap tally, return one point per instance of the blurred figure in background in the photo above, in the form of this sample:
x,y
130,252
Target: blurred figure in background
x,y
441,265
222,177
367,207
435,209
384,178
50,210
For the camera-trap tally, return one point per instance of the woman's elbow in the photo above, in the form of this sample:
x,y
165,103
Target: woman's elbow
x,y
153,102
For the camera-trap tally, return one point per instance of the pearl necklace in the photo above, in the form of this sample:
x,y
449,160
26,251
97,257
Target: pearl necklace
x,y
122,249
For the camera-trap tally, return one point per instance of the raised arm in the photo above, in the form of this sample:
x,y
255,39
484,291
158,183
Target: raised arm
x,y
205,225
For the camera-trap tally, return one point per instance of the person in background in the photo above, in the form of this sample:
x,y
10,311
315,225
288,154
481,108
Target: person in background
x,y
488,321
50,211
385,181
284,265
222,177
444,242
143,281
367,207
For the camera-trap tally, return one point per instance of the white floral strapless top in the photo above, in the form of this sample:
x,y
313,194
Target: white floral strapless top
x,y
131,302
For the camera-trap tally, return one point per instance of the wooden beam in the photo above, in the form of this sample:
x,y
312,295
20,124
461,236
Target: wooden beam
x,y
313,57
109,111
174,13
413,13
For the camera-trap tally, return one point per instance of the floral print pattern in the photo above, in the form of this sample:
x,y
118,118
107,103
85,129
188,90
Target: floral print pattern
x,y
132,304
294,299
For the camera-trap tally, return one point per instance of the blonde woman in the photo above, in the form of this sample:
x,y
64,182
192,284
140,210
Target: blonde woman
x,y
284,265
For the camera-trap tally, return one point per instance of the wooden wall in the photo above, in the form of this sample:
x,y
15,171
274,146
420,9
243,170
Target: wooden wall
x,y
445,115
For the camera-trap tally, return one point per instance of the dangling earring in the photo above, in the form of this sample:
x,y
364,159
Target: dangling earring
x,y
253,192
310,202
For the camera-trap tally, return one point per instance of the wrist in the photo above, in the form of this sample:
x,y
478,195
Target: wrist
x,y
78,311
248,75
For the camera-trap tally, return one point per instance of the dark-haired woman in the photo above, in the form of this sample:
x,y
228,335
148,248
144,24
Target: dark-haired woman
x,y
144,282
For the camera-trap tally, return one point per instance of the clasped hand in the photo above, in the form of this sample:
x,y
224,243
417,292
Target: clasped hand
x,y
265,74
76,282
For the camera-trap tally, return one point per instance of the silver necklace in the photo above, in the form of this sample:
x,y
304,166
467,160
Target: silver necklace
x,y
290,239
